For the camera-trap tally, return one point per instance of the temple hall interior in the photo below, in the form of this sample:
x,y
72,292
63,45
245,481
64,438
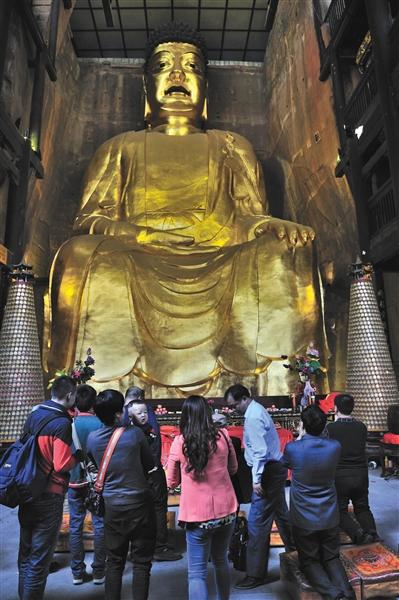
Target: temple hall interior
x,y
196,194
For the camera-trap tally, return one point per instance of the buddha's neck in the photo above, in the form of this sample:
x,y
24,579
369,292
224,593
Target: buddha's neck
x,y
176,125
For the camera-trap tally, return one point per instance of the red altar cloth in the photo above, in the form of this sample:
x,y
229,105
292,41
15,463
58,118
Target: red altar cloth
x,y
285,436
168,434
327,404
390,438
236,431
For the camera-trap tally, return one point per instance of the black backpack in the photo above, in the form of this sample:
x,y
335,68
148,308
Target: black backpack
x,y
238,544
21,478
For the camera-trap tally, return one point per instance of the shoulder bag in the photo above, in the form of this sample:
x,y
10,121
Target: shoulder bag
x,y
94,501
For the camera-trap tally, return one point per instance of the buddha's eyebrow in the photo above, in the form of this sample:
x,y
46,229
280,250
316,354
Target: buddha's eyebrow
x,y
162,54
191,55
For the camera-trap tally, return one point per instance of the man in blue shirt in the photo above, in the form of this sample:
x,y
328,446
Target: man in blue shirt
x,y
262,454
84,423
314,514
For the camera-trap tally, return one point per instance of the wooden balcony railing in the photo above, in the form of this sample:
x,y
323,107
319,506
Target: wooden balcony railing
x,y
335,14
382,207
394,39
361,99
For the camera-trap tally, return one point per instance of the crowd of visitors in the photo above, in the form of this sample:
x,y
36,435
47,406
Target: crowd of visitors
x,y
122,433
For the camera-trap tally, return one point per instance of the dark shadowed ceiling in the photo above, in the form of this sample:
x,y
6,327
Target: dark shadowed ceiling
x,y
233,29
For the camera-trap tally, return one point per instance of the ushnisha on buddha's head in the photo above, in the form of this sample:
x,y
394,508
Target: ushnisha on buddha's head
x,y
175,77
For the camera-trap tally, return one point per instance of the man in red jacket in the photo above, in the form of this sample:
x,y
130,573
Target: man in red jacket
x,y
40,520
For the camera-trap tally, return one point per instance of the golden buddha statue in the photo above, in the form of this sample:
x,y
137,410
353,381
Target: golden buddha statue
x,y
179,280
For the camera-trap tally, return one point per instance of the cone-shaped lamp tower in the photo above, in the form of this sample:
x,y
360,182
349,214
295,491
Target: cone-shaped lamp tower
x,y
370,374
21,376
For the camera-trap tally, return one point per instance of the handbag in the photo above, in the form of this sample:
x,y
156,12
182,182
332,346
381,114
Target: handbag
x,y
94,501
238,544
242,480
237,552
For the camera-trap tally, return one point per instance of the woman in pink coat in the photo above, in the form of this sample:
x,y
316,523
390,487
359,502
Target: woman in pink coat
x,y
202,458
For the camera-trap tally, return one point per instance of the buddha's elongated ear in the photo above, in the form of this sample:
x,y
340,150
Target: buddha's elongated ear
x,y
147,109
204,114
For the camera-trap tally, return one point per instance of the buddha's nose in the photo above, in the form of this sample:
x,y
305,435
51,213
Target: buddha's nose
x,y
177,75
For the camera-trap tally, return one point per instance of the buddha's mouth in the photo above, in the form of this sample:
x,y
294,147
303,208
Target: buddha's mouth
x,y
177,89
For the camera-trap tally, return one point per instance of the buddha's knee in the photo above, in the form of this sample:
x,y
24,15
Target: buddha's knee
x,y
78,248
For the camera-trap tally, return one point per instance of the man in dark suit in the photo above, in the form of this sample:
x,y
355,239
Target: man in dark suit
x,y
313,506
352,477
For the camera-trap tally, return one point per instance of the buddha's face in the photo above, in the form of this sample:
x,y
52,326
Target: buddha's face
x,y
175,82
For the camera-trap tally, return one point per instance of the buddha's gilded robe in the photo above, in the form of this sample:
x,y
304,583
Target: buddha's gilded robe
x,y
180,315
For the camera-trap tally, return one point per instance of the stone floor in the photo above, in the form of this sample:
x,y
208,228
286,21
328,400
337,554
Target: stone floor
x,y
169,579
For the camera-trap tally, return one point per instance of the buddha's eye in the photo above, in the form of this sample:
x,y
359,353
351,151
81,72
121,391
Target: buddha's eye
x,y
161,65
194,66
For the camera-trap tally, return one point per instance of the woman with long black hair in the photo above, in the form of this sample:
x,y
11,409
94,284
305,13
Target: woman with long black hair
x,y
202,458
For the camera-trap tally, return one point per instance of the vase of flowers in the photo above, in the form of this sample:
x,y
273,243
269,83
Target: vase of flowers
x,y
310,371
81,372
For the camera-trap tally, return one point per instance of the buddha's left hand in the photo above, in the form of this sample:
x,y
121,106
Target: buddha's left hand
x,y
295,234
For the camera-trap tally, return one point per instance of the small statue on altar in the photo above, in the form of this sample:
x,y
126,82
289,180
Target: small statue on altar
x,y
308,395
309,371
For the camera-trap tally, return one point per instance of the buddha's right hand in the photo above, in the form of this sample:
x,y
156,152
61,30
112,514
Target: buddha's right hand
x,y
147,235
294,233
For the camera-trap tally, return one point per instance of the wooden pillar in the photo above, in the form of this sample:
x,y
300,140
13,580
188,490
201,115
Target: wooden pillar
x,y
5,16
339,96
352,164
15,224
359,192
35,123
380,23
5,19
3,281
53,34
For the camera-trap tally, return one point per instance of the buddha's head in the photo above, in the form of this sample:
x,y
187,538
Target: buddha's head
x,y
175,75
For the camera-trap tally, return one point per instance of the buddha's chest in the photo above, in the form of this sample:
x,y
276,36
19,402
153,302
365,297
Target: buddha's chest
x,y
176,171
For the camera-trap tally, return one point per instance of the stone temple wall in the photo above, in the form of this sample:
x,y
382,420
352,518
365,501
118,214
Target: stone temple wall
x,y
301,143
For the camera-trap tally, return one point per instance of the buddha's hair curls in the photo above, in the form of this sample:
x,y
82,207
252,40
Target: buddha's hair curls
x,y
175,32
